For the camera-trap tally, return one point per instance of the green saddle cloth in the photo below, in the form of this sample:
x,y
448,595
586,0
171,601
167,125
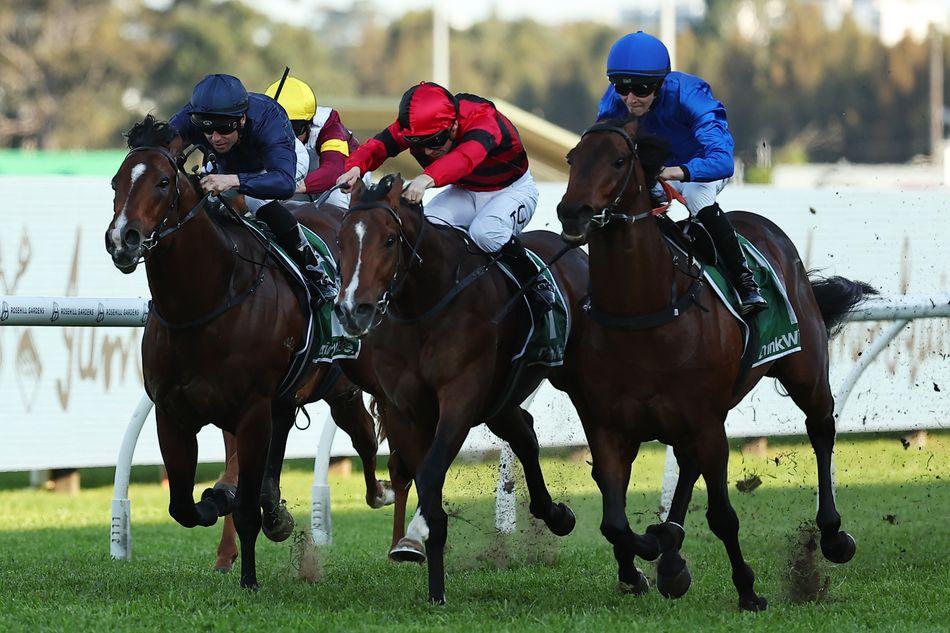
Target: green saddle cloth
x,y
778,333
547,337
330,341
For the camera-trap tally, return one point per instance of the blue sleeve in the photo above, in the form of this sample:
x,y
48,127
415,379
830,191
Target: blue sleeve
x,y
707,119
277,182
181,123
611,105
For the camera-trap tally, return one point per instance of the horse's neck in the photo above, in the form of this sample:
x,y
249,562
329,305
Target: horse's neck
x,y
441,253
189,271
631,270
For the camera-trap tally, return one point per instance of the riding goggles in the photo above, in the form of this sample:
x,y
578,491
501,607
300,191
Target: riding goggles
x,y
639,87
432,141
210,124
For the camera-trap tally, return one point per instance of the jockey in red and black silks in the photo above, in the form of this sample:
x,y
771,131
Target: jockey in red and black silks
x,y
467,146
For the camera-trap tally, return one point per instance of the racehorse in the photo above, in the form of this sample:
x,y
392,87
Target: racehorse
x,y
217,344
429,304
652,372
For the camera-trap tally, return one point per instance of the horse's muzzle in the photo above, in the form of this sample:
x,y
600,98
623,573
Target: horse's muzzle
x,y
357,320
575,222
125,255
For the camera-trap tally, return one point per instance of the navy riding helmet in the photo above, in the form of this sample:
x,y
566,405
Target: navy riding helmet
x,y
222,95
638,55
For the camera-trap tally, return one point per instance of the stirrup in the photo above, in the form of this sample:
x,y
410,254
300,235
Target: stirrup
x,y
752,302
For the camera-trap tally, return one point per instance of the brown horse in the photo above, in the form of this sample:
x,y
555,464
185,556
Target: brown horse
x,y
441,362
652,373
224,326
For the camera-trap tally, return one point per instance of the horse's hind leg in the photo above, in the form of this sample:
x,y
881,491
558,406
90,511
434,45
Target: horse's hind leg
x,y
672,575
277,522
349,413
227,547
809,389
712,456
516,426
180,454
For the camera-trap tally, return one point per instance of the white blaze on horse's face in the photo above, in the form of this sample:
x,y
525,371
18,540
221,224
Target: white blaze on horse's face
x,y
360,229
120,223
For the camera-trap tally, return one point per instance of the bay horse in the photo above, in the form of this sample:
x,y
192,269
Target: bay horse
x,y
224,325
441,362
651,373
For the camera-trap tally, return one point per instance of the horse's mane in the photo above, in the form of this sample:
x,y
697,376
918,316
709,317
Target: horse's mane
x,y
652,150
150,132
380,191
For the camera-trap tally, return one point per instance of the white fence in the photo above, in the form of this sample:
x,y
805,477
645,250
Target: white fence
x,y
66,392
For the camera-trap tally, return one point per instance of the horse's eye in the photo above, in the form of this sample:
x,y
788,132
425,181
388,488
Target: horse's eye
x,y
163,183
619,162
390,241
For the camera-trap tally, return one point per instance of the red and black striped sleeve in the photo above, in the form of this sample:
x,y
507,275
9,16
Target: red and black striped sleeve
x,y
481,137
374,152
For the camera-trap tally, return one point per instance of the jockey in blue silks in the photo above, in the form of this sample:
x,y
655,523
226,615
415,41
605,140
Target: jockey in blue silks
x,y
681,109
257,155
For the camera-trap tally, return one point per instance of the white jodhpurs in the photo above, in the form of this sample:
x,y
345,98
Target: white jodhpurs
x,y
491,217
698,195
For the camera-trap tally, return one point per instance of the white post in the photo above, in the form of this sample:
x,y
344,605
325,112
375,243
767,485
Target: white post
x,y
505,512
321,528
668,28
671,473
120,538
866,359
440,43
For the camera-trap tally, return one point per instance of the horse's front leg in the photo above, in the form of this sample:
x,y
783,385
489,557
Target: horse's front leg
x,y
672,574
227,547
179,447
277,522
253,436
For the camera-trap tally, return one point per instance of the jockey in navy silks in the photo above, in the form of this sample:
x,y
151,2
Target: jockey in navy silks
x,y
256,155
681,109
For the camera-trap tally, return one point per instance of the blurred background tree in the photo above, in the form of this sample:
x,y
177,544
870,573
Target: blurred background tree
x,y
75,73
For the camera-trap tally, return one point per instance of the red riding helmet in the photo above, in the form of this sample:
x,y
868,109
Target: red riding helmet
x,y
427,109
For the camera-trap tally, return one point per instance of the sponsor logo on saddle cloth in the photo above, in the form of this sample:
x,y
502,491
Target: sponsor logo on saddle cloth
x,y
545,342
778,326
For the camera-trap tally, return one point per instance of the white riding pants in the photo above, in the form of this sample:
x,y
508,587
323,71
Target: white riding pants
x,y
698,195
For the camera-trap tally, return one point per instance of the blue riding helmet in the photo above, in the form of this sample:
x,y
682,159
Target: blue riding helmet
x,y
223,95
638,55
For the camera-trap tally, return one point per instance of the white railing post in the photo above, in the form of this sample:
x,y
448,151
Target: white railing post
x,y
321,527
506,514
120,538
671,472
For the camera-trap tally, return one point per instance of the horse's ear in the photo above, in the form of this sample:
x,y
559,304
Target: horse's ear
x,y
395,190
177,146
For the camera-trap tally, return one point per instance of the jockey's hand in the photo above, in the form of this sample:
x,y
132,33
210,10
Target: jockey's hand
x,y
672,173
219,183
348,178
301,188
417,187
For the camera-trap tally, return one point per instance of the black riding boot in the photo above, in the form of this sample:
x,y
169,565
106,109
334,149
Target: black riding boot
x,y
290,237
730,253
540,294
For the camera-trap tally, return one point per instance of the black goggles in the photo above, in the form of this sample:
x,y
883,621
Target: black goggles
x,y
209,125
638,87
432,141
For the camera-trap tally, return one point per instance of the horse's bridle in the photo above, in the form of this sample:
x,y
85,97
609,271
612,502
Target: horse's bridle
x,y
396,282
610,213
160,231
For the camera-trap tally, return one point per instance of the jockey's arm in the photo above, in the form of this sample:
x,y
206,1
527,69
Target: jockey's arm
x,y
468,153
711,130
371,154
334,150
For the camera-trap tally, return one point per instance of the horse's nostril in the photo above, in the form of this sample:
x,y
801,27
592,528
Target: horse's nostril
x,y
132,238
364,310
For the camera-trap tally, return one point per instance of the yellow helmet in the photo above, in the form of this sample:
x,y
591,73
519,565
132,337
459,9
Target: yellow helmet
x,y
296,97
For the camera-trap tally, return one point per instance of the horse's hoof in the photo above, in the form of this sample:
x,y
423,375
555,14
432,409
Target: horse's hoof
x,y
755,603
408,550
669,534
562,520
250,584
278,524
385,495
224,563
638,588
673,585
839,549
438,601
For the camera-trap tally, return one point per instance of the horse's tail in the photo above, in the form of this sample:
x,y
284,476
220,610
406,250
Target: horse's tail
x,y
378,410
837,297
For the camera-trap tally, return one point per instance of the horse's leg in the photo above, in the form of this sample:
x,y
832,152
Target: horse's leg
x,y
399,550
253,435
811,392
179,449
612,457
351,415
276,522
672,575
712,456
516,426
429,525
227,547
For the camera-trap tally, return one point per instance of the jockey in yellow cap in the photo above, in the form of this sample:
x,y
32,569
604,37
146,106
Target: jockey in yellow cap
x,y
320,129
